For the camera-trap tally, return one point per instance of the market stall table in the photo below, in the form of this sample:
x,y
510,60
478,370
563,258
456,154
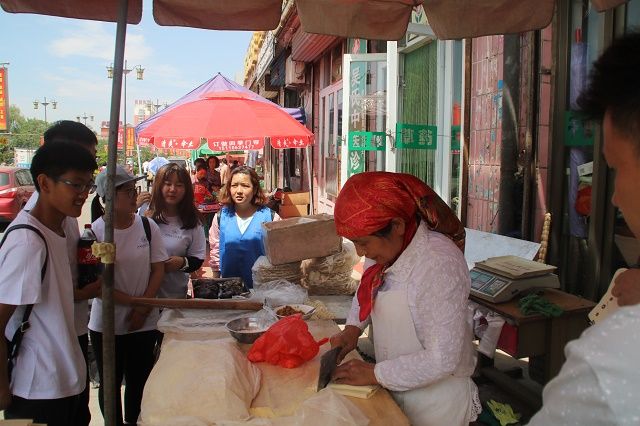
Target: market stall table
x,y
537,337
282,389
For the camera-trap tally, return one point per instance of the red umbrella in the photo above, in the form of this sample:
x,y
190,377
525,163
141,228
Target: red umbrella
x,y
230,121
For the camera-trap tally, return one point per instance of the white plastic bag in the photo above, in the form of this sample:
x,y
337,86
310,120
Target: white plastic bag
x,y
278,292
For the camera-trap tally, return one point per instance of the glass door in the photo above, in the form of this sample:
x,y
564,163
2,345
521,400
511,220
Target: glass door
x,y
365,108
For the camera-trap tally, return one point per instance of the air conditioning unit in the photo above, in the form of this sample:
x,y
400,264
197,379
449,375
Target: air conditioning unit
x,y
294,73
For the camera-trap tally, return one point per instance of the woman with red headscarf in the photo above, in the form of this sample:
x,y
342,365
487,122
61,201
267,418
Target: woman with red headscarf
x,y
414,296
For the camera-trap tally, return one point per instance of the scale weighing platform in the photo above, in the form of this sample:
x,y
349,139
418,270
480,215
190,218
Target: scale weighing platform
x,y
499,279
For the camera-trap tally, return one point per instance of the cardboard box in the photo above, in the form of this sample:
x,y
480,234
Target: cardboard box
x,y
299,238
295,198
293,211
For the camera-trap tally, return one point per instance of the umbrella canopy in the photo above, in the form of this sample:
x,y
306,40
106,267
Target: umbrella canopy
x,y
219,83
376,20
156,163
229,120
380,19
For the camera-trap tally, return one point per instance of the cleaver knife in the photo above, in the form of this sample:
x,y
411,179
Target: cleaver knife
x,y
328,363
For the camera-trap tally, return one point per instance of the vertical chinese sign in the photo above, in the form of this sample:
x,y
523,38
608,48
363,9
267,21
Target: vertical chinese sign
x,y
357,115
4,101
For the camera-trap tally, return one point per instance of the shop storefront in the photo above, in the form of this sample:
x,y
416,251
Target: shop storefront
x,y
590,239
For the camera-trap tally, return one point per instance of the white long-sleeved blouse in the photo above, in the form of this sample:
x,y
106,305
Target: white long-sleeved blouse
x,y
435,274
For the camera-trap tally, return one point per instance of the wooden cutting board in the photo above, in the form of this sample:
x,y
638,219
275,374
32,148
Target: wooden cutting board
x,y
234,304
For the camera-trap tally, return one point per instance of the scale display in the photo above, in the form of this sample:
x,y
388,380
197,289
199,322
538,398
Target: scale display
x,y
497,289
487,283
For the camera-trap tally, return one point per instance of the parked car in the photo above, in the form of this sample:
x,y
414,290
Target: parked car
x,y
16,187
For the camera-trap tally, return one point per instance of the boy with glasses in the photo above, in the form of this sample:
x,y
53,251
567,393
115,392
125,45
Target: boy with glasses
x,y
49,371
82,138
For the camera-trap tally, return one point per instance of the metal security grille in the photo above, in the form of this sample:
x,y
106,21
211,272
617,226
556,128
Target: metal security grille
x,y
419,102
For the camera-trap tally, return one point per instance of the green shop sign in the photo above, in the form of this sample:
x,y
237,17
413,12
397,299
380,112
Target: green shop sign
x,y
577,130
356,162
367,141
416,136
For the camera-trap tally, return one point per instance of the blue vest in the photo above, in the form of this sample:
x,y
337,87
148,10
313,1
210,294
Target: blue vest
x,y
238,252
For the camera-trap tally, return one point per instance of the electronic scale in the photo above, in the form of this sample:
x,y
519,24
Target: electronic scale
x,y
499,279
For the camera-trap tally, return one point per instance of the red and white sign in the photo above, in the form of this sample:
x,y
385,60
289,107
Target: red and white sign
x,y
283,142
4,101
235,144
175,143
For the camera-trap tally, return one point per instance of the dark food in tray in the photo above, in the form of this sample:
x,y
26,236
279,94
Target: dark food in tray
x,y
218,288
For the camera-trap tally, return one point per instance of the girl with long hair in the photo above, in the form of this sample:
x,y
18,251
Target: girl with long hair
x,y
173,209
139,271
236,231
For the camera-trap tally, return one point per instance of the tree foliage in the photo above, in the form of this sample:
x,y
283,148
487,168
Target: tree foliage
x,y
23,133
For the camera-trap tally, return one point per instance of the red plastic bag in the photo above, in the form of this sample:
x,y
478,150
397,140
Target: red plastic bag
x,y
286,343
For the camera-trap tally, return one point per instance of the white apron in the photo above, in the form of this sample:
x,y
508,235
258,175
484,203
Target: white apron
x,y
447,402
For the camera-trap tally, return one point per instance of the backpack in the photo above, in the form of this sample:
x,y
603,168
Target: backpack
x,y
147,229
13,346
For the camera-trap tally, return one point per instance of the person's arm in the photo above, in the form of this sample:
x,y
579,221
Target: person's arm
x,y
138,315
5,391
438,305
90,291
214,244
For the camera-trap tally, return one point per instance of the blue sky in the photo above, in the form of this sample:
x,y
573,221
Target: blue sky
x,y
66,59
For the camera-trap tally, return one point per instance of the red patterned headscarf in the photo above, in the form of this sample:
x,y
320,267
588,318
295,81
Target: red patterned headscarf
x,y
367,203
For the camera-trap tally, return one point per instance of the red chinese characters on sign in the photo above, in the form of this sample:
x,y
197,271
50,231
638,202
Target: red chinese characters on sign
x,y
235,144
4,125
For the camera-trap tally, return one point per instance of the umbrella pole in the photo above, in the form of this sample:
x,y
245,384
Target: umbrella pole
x,y
108,331
308,152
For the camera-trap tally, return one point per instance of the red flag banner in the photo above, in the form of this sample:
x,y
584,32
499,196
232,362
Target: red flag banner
x,y
4,101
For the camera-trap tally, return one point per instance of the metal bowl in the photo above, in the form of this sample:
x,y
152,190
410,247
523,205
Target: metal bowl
x,y
306,310
247,329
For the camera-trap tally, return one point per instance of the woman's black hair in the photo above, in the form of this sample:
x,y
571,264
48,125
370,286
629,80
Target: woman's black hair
x,y
385,231
97,210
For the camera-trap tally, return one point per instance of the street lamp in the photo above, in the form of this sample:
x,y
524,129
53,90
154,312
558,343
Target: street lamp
x,y
139,76
45,103
154,108
84,116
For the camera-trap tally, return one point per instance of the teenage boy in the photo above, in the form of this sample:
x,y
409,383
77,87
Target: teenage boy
x,y
49,370
77,133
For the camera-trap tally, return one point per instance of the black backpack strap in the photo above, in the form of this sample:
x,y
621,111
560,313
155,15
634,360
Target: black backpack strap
x,y
147,228
14,345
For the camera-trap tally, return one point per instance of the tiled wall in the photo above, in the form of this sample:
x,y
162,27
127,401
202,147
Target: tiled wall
x,y
485,133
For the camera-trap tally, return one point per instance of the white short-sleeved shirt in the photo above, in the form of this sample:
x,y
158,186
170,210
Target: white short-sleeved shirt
x,y
71,230
132,271
50,363
180,242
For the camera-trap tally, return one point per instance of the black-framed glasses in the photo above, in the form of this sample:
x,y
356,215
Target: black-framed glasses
x,y
79,187
132,191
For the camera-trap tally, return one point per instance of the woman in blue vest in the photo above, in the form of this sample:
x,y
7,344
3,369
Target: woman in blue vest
x,y
236,232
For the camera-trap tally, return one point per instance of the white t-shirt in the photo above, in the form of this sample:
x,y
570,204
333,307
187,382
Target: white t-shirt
x,y
71,230
599,383
180,242
50,363
132,271
243,223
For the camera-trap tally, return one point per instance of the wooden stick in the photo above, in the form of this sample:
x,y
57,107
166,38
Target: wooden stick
x,y
197,303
